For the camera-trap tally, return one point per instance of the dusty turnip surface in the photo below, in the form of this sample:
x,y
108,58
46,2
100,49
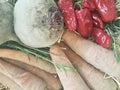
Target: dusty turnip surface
x,y
6,22
3,0
70,79
38,23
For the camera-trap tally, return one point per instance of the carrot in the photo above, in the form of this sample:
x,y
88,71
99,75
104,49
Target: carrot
x,y
99,57
70,79
90,74
52,82
27,59
18,79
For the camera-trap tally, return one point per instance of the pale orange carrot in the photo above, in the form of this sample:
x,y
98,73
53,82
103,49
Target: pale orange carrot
x,y
94,54
18,79
93,77
27,59
71,80
52,81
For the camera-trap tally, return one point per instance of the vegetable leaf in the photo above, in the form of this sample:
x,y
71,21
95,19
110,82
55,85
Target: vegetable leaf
x,y
113,29
42,53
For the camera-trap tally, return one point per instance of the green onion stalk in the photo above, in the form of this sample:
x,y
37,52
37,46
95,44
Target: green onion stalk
x,y
42,53
113,29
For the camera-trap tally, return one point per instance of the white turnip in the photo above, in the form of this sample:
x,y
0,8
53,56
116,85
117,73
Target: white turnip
x,y
38,23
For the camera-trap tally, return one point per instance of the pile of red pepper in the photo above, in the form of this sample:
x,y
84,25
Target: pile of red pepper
x,y
87,17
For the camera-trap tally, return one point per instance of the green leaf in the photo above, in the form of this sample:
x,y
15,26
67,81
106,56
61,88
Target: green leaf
x,y
113,29
42,53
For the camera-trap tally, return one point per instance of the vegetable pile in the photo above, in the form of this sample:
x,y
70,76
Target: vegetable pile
x,y
71,46
91,19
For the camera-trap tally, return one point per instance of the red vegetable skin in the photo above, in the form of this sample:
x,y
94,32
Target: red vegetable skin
x,y
66,6
101,37
95,24
85,24
97,21
88,4
107,9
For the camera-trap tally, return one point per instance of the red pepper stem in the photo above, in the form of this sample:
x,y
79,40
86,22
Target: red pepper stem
x,y
79,3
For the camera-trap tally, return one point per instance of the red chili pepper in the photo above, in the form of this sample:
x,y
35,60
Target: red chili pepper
x,y
85,24
97,21
95,24
101,37
88,4
66,6
107,9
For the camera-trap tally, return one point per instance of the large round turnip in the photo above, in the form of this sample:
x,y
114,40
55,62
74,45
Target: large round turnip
x,y
38,23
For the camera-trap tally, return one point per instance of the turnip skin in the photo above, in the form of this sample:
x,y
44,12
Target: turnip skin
x,y
6,22
38,23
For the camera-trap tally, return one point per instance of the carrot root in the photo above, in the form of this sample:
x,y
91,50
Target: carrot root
x,y
90,74
70,79
52,81
27,59
101,58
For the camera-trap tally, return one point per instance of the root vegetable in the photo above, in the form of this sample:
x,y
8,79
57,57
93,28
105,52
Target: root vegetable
x,y
38,23
70,79
94,54
27,59
6,22
52,81
90,74
18,79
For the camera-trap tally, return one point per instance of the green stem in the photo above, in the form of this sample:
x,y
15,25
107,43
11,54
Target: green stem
x,y
42,53
115,45
78,3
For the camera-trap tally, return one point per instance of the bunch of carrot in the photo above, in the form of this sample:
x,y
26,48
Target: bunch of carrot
x,y
76,63
78,69
91,61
